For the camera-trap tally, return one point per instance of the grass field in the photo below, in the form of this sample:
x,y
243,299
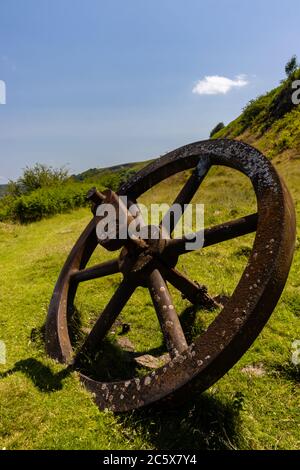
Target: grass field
x,y
255,406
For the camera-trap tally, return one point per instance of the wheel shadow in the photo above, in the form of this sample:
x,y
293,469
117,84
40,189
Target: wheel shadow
x,y
113,363
204,423
42,376
288,371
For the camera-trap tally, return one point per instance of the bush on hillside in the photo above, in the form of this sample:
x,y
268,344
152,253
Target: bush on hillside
x,y
44,202
36,177
216,129
291,66
43,191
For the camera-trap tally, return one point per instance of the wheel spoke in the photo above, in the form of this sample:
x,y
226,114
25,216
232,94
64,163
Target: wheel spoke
x,y
106,319
99,270
167,316
213,235
194,292
185,196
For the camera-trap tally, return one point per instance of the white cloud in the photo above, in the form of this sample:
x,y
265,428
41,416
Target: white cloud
x,y
216,85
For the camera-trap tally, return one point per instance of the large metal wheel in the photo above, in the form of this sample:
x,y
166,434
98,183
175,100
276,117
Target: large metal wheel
x,y
213,353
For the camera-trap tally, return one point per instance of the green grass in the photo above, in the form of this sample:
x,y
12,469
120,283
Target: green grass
x,y
43,406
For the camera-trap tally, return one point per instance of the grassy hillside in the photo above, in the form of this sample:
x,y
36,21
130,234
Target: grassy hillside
x,y
255,406
100,174
271,122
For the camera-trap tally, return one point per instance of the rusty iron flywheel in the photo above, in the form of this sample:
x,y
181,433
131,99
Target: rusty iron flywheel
x,y
151,264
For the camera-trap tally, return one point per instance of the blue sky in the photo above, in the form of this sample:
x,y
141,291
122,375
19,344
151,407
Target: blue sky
x,y
98,82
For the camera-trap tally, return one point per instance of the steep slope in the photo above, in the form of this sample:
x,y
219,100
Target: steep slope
x,y
270,122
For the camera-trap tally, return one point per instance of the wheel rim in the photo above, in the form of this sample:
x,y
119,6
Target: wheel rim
x,y
235,328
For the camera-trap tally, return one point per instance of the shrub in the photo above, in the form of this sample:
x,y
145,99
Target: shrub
x,y
47,201
216,129
43,191
5,208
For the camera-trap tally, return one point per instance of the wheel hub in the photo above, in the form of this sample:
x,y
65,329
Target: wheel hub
x,y
141,254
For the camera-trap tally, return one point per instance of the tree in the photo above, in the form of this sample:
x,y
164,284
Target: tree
x,y
38,176
291,66
216,129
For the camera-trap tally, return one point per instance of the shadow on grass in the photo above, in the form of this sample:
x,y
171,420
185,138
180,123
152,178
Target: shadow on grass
x,y
187,320
288,371
42,376
113,363
204,423
110,363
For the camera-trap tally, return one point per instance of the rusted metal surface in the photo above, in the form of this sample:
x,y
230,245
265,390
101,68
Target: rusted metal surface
x,y
168,318
191,290
217,234
105,321
187,192
151,263
99,270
